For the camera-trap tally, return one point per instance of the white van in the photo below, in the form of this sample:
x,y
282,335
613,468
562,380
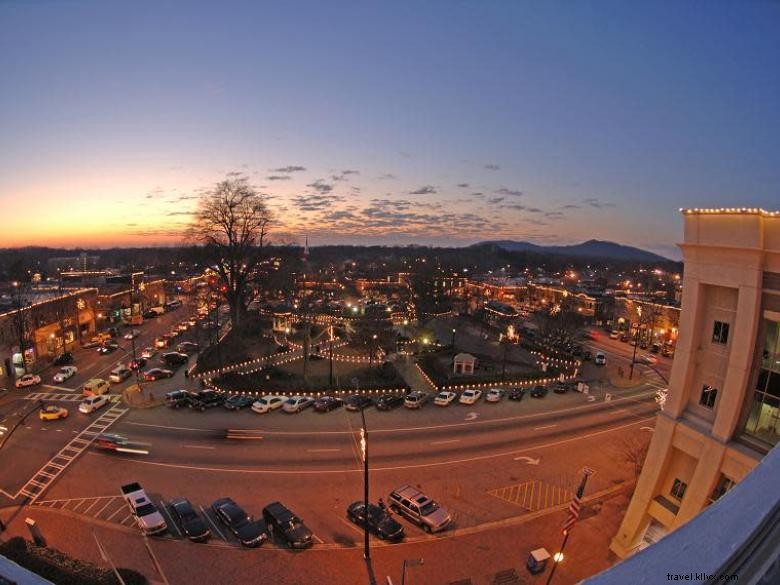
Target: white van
x,y
119,374
92,403
600,359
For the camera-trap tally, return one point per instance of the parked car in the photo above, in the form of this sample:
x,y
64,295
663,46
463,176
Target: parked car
x,y
65,373
516,394
614,334
28,380
238,401
600,359
148,353
494,395
416,399
92,403
174,359
132,334
52,412
282,522
470,396
157,374
187,347
147,516
297,403
192,525
587,355
380,521
358,402
238,522
445,398
268,403
389,401
178,398
419,508
63,359
560,388
538,391
327,403
95,386
205,399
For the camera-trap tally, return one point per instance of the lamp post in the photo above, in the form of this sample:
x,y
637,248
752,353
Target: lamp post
x,y
330,374
371,350
636,343
453,339
364,450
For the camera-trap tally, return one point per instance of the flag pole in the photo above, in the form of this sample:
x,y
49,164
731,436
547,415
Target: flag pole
x,y
574,512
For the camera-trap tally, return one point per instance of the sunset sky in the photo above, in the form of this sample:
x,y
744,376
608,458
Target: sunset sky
x,y
441,122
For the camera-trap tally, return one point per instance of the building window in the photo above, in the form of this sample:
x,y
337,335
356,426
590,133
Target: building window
x,y
708,396
724,484
763,418
678,489
720,333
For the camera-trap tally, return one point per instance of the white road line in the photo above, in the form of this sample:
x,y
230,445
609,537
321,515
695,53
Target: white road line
x,y
545,427
198,447
350,524
322,450
445,442
392,468
317,538
115,512
212,524
107,504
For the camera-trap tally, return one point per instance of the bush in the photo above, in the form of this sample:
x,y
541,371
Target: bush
x,y
62,569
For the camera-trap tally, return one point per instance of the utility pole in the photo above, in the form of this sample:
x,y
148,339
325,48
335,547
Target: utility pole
x,y
636,343
330,376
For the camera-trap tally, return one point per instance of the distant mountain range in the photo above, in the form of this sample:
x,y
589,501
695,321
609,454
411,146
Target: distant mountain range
x,y
589,249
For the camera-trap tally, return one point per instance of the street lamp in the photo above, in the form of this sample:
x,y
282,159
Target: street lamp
x,y
371,350
453,338
636,342
410,563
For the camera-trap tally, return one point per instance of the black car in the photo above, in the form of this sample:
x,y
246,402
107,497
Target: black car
x,y
288,526
389,401
136,364
516,394
187,347
174,358
560,388
206,399
327,403
587,355
108,347
238,401
539,392
238,522
358,402
380,521
157,374
64,359
178,398
191,524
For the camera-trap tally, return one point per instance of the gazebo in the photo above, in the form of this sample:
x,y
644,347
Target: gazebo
x,y
464,364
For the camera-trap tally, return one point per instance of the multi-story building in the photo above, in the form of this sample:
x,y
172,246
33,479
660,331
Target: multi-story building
x,y
722,412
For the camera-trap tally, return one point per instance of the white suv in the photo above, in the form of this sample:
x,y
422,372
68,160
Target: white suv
x,y
494,395
92,403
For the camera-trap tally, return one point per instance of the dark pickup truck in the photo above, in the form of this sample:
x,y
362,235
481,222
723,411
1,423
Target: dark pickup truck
x,y
288,526
206,399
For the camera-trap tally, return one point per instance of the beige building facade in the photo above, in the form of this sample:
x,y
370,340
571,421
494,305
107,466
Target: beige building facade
x,y
722,411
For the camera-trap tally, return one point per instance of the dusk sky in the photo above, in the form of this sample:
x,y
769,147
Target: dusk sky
x,y
438,122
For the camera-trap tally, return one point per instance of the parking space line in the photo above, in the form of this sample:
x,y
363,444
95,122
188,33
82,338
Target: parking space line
x,y
350,524
119,509
126,518
106,505
213,524
317,538
171,524
76,507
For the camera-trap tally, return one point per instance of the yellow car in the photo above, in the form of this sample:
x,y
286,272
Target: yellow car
x,y
52,412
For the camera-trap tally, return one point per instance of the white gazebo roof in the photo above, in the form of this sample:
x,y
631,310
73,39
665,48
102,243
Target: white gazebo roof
x,y
465,357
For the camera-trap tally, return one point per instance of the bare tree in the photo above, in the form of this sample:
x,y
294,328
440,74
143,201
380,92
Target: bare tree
x,y
633,451
232,223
